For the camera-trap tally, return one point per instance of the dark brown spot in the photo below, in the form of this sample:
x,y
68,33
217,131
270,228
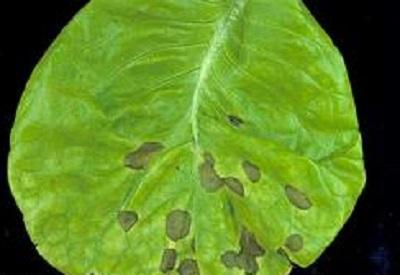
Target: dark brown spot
x,y
127,219
209,178
234,185
294,242
297,198
230,259
178,224
193,245
247,262
188,267
251,170
140,158
235,121
168,260
249,244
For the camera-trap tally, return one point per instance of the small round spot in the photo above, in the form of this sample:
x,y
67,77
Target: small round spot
x,y
251,170
168,260
127,219
297,198
188,267
294,242
178,224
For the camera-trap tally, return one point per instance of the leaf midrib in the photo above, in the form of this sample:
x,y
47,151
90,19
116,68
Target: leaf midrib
x,y
217,40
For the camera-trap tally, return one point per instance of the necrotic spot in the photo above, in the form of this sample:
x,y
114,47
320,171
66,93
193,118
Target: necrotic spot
x,y
230,259
188,267
127,219
178,224
141,157
251,170
297,198
209,178
234,185
249,244
247,262
235,121
294,242
168,260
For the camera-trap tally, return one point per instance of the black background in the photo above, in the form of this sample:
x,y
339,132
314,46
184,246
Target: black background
x,y
363,247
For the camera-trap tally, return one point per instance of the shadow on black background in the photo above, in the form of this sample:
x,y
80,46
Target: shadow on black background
x,y
361,248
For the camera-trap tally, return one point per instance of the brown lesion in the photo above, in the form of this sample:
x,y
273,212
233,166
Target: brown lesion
x,y
209,178
235,121
297,198
127,219
294,242
140,158
211,181
234,185
168,260
188,267
178,224
246,258
251,170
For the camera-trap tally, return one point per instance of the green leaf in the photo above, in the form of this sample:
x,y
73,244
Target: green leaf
x,y
186,137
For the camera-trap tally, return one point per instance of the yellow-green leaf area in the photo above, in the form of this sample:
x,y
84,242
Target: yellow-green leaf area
x,y
187,137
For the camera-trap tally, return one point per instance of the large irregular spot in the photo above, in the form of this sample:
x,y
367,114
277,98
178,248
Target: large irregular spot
x,y
246,258
140,158
178,224
209,178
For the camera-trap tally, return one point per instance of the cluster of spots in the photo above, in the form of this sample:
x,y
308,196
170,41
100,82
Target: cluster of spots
x,y
235,121
212,182
127,219
177,227
251,170
245,259
297,198
140,158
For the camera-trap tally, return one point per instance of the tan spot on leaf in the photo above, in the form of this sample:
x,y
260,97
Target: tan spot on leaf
x,y
251,170
249,244
234,185
297,198
247,262
188,267
230,259
127,219
140,158
168,260
178,224
209,178
294,242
